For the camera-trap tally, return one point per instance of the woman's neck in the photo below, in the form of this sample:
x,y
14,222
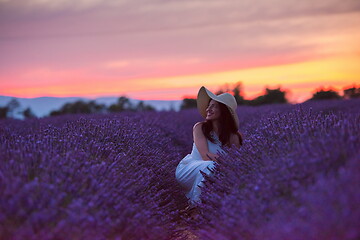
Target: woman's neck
x,y
215,127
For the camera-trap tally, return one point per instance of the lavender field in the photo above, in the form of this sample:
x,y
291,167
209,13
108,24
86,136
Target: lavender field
x,y
297,176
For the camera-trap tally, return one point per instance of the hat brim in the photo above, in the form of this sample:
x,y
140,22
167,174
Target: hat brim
x,y
203,99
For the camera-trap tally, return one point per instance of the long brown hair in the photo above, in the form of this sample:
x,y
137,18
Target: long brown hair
x,y
227,126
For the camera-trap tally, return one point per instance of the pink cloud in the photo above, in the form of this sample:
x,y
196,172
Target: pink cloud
x,y
59,42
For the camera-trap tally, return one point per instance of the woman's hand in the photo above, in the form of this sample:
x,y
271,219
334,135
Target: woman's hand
x,y
212,156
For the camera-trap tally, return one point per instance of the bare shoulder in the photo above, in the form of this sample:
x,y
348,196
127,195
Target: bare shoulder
x,y
197,130
198,125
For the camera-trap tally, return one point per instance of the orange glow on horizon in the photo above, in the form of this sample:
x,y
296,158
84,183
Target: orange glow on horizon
x,y
301,79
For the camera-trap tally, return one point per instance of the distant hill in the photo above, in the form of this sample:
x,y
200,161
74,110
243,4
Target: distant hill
x,y
42,106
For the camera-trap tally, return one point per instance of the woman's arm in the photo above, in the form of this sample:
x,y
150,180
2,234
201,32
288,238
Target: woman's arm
x,y
201,143
236,139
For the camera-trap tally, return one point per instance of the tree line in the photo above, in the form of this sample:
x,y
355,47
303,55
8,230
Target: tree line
x,y
13,109
123,103
272,96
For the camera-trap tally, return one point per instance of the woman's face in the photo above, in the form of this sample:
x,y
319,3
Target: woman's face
x,y
213,111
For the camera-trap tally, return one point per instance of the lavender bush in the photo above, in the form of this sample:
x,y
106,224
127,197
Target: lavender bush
x,y
296,177
112,176
89,177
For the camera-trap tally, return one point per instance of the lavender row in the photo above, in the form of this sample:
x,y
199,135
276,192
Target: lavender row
x,y
112,176
296,177
90,177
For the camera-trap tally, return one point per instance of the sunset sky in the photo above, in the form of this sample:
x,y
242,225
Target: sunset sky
x,y
167,49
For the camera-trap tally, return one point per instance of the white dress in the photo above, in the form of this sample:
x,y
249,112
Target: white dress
x,y
188,171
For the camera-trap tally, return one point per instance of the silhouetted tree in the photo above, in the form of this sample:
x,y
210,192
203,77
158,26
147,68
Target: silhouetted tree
x,y
223,89
235,89
322,94
238,93
3,112
270,96
122,104
13,107
352,92
96,108
188,103
141,106
28,113
79,107
275,96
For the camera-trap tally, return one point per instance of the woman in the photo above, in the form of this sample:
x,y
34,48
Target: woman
x,y
220,128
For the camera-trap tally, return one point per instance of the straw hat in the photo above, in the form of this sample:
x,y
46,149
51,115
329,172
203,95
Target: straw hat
x,y
204,97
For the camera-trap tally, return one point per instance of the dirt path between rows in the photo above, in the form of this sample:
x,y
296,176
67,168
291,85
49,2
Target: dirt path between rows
x,y
184,234
183,230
